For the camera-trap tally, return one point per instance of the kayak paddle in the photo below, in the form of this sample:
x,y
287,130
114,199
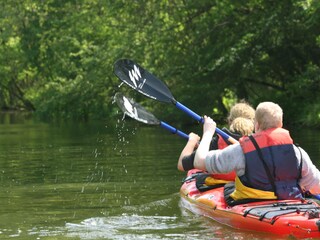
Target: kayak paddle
x,y
137,112
144,82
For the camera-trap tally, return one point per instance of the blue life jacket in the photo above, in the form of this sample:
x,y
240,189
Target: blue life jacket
x,y
277,151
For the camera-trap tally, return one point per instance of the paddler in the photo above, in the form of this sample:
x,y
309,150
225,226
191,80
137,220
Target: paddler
x,y
241,123
267,163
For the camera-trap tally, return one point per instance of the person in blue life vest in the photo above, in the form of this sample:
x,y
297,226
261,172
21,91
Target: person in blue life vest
x,y
267,163
241,123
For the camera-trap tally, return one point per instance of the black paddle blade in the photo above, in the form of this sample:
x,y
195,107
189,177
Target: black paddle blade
x,y
135,110
142,81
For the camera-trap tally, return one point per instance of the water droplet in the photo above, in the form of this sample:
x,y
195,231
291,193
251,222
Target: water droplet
x,y
120,84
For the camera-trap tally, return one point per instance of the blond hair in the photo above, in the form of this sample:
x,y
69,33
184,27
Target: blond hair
x,y
241,109
268,115
243,126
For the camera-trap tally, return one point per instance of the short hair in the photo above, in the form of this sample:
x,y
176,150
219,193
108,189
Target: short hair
x,y
269,115
241,109
243,126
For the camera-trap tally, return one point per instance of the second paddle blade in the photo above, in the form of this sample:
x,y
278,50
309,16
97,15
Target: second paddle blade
x,y
135,110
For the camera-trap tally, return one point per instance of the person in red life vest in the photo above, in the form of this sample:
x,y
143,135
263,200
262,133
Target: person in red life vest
x,y
240,122
236,129
267,163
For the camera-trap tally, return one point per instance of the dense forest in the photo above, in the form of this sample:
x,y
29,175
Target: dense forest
x,y
57,56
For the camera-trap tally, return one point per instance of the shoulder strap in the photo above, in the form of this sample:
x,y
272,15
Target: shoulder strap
x,y
271,179
300,166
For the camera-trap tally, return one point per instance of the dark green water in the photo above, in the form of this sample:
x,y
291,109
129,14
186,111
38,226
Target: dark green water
x,y
104,180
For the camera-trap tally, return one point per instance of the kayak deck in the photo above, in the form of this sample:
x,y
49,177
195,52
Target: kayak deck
x,y
281,217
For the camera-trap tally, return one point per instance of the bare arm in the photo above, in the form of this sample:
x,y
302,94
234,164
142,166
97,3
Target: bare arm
x,y
188,149
209,128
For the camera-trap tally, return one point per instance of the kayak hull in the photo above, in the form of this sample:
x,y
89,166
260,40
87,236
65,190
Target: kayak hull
x,y
281,217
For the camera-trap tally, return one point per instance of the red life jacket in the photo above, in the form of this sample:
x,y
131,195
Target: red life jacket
x,y
222,143
224,176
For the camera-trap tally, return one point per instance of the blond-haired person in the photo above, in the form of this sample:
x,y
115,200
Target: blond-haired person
x,y
267,163
240,120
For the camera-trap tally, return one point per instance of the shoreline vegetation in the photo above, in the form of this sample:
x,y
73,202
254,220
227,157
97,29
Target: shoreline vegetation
x,y
57,56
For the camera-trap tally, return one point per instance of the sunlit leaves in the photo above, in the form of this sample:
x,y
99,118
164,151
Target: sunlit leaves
x,y
60,53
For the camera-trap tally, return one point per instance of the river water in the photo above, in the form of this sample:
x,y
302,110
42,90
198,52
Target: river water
x,y
101,180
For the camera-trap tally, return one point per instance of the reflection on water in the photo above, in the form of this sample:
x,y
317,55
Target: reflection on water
x,y
115,180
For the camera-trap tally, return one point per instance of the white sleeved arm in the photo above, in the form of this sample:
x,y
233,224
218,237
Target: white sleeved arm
x,y
226,160
310,175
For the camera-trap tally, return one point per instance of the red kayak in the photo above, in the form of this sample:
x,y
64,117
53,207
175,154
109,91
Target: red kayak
x,y
282,217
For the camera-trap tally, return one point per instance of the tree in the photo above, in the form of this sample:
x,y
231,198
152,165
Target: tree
x,y
58,55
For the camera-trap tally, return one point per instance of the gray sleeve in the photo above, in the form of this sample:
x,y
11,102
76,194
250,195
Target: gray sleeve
x,y
226,160
310,175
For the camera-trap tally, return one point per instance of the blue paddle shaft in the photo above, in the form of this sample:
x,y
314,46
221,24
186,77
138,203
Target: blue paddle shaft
x,y
173,130
316,197
201,120
189,112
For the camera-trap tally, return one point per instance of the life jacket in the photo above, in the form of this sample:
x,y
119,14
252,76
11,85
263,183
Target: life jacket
x,y
222,143
272,168
225,177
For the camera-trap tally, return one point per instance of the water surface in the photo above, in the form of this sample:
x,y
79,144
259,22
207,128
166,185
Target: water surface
x,y
102,180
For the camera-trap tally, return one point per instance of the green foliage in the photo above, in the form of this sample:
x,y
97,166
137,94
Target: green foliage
x,y
58,55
